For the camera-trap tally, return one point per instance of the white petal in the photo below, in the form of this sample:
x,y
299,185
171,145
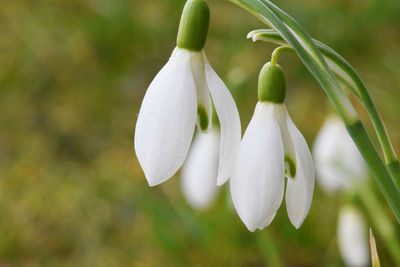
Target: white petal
x,y
199,173
204,107
267,222
338,162
166,120
352,237
290,154
257,182
229,122
299,190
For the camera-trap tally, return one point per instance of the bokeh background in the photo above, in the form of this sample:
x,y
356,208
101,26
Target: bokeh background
x,y
72,76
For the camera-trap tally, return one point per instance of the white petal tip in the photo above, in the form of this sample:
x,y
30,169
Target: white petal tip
x,y
249,35
154,182
297,221
262,227
251,229
221,181
297,225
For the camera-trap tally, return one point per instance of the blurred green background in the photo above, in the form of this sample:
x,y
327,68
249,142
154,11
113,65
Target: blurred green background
x,y
72,77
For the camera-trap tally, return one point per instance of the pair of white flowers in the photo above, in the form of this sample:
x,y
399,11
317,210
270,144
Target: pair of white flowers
x,y
272,149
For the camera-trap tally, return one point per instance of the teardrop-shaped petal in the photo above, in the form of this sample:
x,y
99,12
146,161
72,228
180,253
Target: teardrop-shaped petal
x,y
352,237
199,173
299,190
228,116
257,181
288,144
166,120
204,107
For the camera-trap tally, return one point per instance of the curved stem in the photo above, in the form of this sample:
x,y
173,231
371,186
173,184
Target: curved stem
x,y
277,51
348,76
364,96
363,93
307,52
311,57
389,153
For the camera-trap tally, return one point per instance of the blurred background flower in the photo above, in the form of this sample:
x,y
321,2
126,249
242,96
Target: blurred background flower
x,y
72,77
338,162
352,236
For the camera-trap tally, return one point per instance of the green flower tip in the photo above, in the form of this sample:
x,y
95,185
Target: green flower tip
x,y
271,84
193,28
291,165
203,117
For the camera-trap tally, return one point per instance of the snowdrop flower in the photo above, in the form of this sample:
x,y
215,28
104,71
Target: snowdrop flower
x,y
353,243
179,98
199,173
272,149
337,159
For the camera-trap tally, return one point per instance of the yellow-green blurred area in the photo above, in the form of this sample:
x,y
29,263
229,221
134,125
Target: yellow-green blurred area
x,y
72,77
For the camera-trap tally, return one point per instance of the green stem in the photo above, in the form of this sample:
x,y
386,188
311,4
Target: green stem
x,y
379,172
311,57
277,51
307,52
394,169
380,220
389,153
271,36
349,76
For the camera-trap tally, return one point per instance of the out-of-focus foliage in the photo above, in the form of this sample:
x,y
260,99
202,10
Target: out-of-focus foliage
x,y
72,77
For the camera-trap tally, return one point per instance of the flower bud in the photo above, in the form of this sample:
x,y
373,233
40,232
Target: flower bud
x,y
193,27
271,84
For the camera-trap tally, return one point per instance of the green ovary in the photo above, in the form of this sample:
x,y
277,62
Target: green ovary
x,y
193,27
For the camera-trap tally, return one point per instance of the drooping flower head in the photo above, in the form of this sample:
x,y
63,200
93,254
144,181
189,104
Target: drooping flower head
x,y
199,173
338,162
272,148
178,98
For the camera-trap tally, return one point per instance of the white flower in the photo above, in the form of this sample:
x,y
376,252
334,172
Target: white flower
x,y
338,162
353,243
272,148
199,173
178,95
